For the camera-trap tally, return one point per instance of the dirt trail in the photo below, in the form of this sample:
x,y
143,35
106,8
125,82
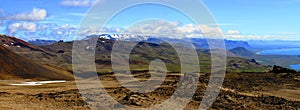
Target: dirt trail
x,y
291,94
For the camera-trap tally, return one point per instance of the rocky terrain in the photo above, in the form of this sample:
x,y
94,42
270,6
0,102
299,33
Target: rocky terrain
x,y
239,91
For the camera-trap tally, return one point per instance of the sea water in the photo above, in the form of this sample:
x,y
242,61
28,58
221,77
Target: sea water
x,y
285,51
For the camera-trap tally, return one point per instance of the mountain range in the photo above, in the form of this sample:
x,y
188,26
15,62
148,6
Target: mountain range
x,y
40,42
56,58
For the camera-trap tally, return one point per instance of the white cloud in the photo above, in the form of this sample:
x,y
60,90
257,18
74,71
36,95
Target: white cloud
x,y
156,28
24,26
35,15
77,3
188,28
175,30
62,32
210,30
32,31
233,32
76,14
248,37
87,31
160,28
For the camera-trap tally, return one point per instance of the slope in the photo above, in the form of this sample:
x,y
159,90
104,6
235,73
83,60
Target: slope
x,y
14,66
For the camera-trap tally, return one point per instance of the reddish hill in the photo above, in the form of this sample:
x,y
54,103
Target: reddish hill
x,y
15,42
14,66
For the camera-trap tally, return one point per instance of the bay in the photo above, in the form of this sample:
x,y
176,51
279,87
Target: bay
x,y
295,67
285,51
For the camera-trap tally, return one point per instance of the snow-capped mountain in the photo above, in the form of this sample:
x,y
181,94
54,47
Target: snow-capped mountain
x,y
126,37
197,42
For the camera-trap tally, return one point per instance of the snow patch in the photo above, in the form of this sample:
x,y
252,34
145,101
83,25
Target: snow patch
x,y
38,83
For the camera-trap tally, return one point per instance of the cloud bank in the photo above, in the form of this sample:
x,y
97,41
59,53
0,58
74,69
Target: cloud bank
x,y
78,3
34,15
153,29
24,26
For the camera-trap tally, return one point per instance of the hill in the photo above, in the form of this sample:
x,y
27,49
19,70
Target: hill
x,y
143,53
242,52
14,66
25,49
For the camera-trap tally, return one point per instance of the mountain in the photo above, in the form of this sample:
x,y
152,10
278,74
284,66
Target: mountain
x,y
13,42
59,54
242,52
200,43
142,54
230,44
104,36
14,66
19,46
25,49
38,54
39,42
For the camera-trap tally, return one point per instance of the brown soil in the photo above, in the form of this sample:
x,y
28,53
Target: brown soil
x,y
240,91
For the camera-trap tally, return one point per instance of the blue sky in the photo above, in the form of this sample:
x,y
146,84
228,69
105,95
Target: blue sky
x,y
258,17
238,19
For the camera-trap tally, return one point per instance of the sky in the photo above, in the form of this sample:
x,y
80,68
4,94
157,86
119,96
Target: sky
x,y
61,19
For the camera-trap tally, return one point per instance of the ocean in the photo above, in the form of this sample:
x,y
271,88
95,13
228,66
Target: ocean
x,y
286,51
